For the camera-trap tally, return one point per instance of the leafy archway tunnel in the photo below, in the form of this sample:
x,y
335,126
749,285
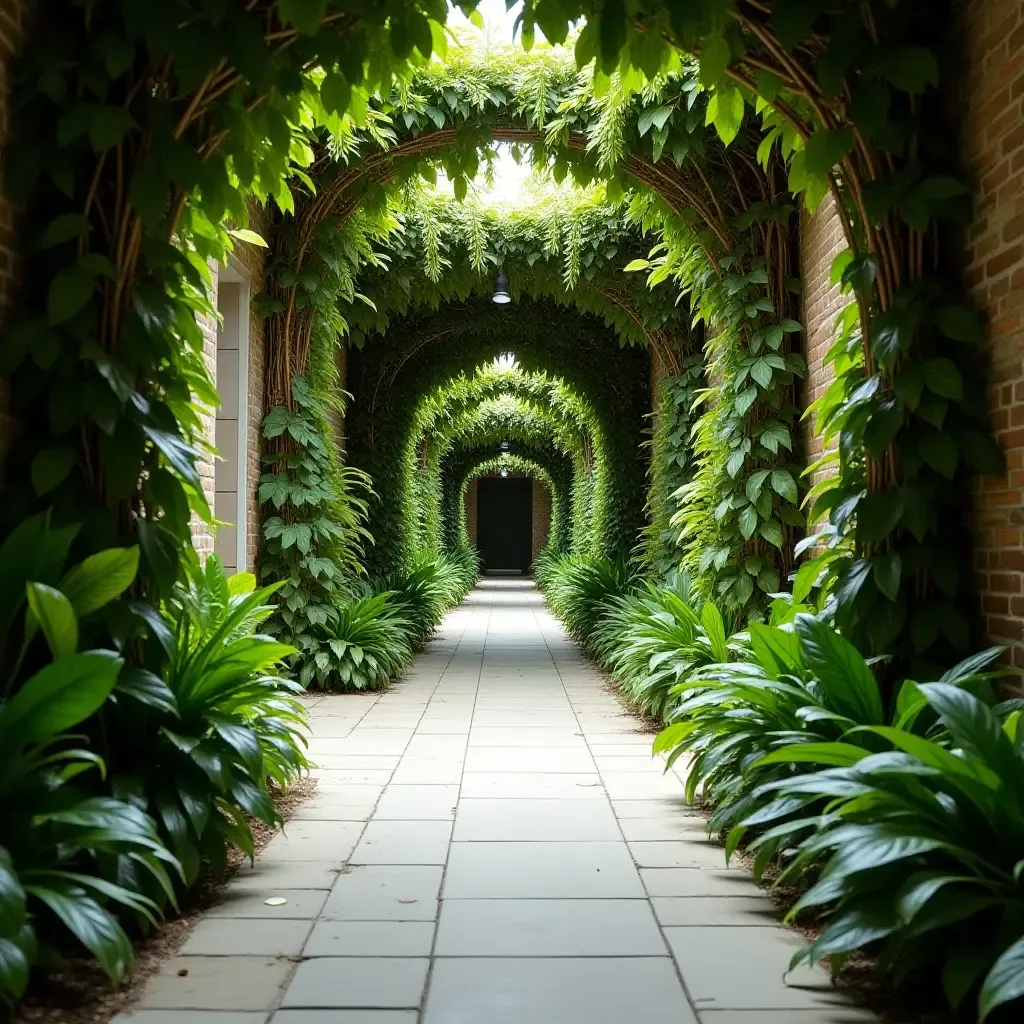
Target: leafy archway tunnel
x,y
649,370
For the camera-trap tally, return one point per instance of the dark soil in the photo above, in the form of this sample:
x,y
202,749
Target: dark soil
x,y
80,993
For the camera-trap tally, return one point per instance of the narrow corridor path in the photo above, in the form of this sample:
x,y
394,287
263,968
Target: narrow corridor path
x,y
490,843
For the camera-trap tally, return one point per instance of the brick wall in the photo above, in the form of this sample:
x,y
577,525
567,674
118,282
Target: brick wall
x,y
471,517
821,239
988,102
253,258
541,517
202,534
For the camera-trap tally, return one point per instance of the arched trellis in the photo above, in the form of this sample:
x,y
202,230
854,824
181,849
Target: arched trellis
x,y
576,349
726,209
461,463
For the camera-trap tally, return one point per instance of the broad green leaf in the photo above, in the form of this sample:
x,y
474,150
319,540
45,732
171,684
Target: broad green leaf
x,y
100,579
249,236
1004,982
52,612
58,697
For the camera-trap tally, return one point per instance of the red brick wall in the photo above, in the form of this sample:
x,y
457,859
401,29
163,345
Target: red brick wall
x,y
541,516
253,258
821,239
989,98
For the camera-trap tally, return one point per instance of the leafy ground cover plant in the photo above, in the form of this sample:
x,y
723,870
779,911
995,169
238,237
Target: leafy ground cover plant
x,y
791,698
651,640
579,588
363,649
63,848
925,849
426,591
201,742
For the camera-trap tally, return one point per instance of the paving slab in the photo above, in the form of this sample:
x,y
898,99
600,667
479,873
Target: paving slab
x,y
697,882
550,927
234,936
556,991
708,959
404,842
541,871
358,983
417,803
385,893
540,820
370,938
217,983
344,1017
295,904
533,785
189,1017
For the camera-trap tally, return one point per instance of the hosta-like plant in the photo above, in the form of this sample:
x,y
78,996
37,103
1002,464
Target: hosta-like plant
x,y
207,738
63,845
792,697
426,591
362,649
925,850
651,640
580,588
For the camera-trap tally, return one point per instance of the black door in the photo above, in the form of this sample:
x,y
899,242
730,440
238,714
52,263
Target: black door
x,y
504,522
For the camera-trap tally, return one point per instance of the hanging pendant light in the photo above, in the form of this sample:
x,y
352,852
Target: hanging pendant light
x,y
501,295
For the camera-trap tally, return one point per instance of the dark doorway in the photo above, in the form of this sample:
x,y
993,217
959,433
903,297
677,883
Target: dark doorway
x,y
504,523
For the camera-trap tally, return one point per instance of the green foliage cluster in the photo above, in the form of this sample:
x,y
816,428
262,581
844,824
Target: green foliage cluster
x,y
140,132
421,355
313,534
104,826
902,823
672,464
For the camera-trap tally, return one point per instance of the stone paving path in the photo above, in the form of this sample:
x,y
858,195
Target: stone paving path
x,y
490,843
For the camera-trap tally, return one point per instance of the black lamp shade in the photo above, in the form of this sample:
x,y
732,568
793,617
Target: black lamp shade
x,y
501,295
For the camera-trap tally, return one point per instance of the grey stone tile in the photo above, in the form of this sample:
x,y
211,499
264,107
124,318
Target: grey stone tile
x,y
650,827
237,936
697,882
541,820
556,991
532,785
300,904
692,853
340,809
326,758
404,842
548,927
640,785
268,877
541,871
708,959
316,841
188,1017
572,760
358,983
638,763
417,803
216,983
354,776
344,1017
370,938
385,893
428,772
822,1015
710,911
533,719
490,737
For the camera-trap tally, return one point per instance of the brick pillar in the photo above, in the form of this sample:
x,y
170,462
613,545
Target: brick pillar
x,y
987,97
202,535
541,517
821,240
